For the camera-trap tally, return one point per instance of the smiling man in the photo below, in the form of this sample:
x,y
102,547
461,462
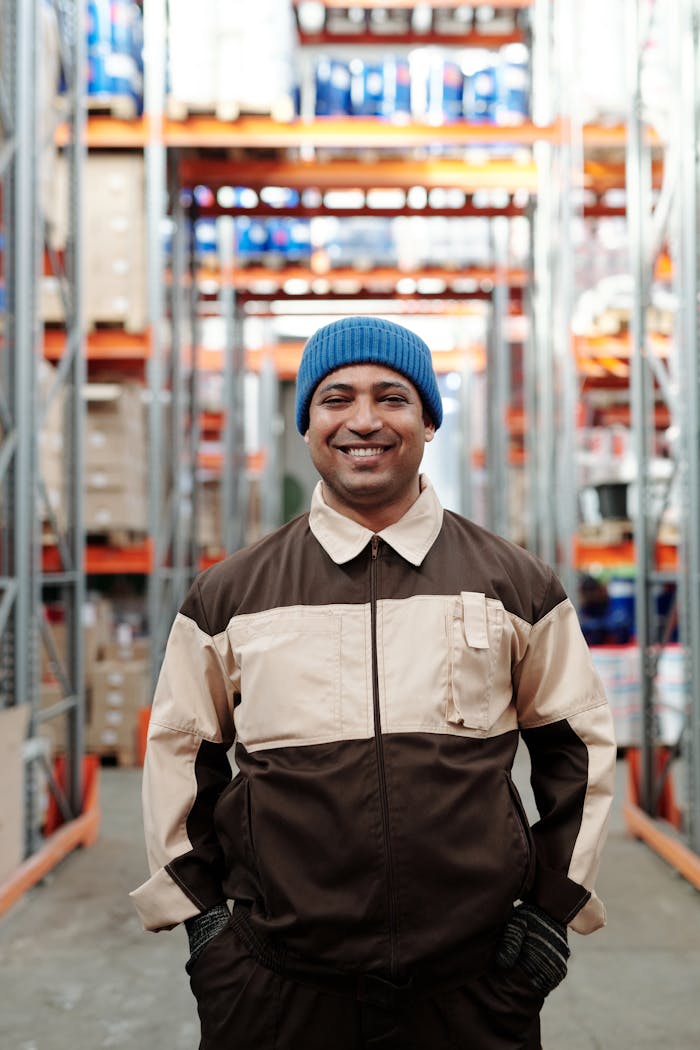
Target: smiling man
x,y
375,663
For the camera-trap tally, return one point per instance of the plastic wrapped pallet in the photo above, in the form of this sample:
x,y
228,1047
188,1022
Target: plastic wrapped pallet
x,y
232,58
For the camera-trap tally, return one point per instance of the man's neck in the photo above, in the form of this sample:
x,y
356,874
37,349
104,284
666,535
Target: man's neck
x,y
373,518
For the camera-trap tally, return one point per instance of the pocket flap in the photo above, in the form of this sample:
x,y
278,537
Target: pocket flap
x,y
474,617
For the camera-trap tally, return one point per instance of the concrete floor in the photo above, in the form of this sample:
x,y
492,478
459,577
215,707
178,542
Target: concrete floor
x,y
77,973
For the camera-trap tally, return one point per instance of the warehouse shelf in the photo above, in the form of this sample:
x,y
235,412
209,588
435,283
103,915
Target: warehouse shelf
x,y
296,282
61,840
103,344
353,173
395,5
256,132
200,131
431,38
107,559
107,132
589,556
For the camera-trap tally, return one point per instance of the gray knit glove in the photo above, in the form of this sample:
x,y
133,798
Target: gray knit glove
x,y
204,927
538,943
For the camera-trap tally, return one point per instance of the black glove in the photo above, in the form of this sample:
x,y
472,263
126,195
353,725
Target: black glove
x,y
205,926
538,942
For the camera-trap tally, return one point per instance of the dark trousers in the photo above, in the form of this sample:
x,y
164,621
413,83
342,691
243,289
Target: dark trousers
x,y
244,1006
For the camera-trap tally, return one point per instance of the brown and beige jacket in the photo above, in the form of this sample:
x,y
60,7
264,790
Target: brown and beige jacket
x,y
375,688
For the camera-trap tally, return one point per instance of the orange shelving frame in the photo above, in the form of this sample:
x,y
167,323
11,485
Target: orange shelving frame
x,y
60,841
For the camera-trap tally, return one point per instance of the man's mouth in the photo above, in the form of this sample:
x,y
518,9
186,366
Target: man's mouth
x,y
365,452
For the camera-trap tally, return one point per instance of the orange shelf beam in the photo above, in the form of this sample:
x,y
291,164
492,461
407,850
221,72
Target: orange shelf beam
x,y
254,132
663,842
104,344
440,173
106,560
82,831
621,555
107,132
513,5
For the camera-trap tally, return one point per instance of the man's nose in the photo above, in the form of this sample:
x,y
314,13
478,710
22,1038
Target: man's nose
x,y
364,418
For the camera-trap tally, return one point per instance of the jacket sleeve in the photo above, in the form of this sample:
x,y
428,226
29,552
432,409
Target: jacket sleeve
x,y
567,725
186,769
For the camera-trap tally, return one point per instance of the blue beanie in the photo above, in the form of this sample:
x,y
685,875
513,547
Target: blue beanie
x,y
366,340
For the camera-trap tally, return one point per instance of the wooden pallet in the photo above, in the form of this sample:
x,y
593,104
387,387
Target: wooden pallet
x,y
121,107
228,111
123,757
608,533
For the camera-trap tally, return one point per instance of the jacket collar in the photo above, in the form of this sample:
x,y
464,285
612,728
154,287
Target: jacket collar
x,y
411,537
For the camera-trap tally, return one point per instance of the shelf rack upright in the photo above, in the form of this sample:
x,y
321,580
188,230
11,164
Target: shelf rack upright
x,y
24,404
674,831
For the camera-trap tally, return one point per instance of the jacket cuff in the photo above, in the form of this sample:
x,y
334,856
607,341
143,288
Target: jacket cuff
x,y
557,894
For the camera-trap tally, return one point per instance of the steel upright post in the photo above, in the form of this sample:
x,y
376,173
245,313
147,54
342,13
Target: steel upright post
x,y
688,284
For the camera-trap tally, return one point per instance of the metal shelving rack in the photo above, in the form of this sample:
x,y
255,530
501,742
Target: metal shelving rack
x,y
171,371
550,367
23,407
673,220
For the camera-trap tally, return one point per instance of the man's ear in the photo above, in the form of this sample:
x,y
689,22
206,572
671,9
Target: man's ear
x,y
429,427
306,437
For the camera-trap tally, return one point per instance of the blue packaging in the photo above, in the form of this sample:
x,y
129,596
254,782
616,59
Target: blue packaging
x,y
620,619
251,238
396,100
445,91
299,244
366,88
332,88
205,238
513,104
481,95
99,37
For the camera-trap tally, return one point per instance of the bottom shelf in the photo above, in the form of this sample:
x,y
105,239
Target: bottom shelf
x,y
82,831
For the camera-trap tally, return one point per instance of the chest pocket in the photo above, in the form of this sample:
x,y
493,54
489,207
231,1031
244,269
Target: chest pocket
x,y
474,632
289,663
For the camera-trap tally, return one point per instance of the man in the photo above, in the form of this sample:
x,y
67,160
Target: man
x,y
375,663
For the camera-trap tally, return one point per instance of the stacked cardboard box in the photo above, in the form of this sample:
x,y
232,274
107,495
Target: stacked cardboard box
x,y
97,628
51,445
209,525
13,729
115,242
120,688
115,459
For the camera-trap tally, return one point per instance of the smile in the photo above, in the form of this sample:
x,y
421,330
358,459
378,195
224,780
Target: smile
x,y
365,452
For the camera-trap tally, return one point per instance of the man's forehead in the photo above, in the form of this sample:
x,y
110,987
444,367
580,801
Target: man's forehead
x,y
365,375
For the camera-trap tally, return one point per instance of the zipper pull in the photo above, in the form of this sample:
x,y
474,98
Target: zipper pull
x,y
375,547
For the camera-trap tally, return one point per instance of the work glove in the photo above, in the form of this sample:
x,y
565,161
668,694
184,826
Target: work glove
x,y
204,927
538,943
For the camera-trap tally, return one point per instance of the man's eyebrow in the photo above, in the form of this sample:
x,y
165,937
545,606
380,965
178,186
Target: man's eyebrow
x,y
384,384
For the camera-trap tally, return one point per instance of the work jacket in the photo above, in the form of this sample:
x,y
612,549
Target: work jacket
x,y
375,688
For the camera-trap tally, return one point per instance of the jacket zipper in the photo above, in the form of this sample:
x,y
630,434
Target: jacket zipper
x,y
381,770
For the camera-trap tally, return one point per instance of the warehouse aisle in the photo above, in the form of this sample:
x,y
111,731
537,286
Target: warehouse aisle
x,y
78,973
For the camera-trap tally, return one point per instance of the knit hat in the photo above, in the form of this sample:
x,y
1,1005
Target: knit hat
x,y
366,340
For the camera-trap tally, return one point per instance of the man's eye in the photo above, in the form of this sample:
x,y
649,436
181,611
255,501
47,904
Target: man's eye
x,y
396,399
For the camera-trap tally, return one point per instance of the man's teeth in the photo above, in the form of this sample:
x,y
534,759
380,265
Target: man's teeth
x,y
364,451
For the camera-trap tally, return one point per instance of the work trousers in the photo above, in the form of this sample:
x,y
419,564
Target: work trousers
x,y
245,1006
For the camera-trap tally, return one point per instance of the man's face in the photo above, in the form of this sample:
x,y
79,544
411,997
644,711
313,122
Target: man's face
x,y
367,431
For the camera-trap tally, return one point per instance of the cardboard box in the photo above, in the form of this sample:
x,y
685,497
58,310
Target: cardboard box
x,y
114,509
54,730
120,684
13,731
119,689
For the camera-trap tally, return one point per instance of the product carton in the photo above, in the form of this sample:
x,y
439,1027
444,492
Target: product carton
x,y
13,730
